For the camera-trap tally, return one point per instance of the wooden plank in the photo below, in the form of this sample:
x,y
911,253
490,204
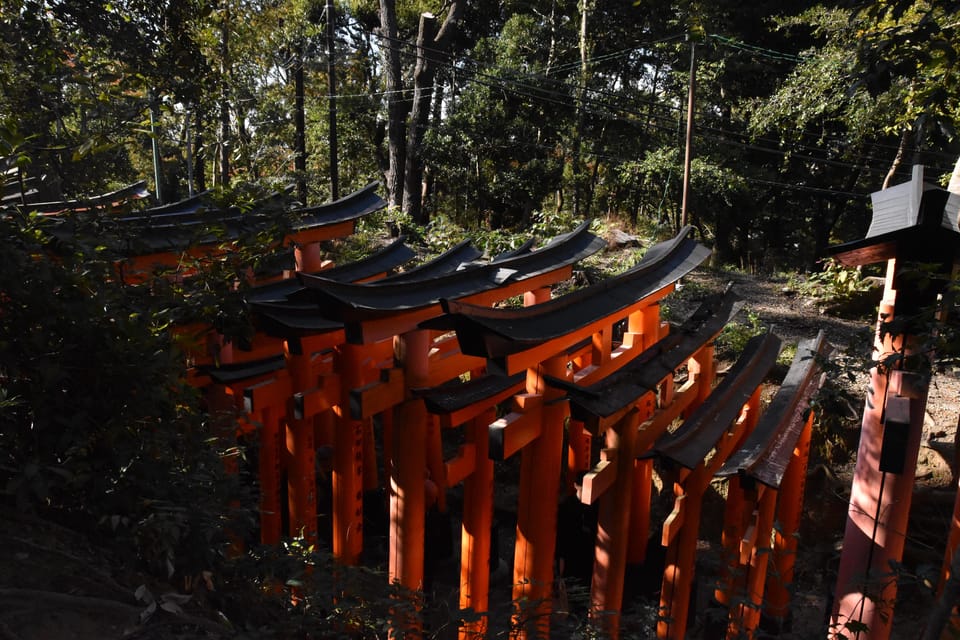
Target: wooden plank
x,y
600,478
513,432
674,522
315,401
270,393
462,465
371,399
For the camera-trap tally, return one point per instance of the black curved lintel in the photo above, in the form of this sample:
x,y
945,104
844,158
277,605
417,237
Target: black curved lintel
x,y
389,257
625,386
230,373
350,207
693,440
765,454
495,333
356,302
454,396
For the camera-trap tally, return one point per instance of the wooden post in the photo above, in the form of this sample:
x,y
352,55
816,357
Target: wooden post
x,y
476,530
308,257
789,512
370,479
269,462
745,615
613,527
302,478
537,510
409,468
681,560
408,511
348,461
880,500
647,323
949,558
435,467
734,525
640,511
702,364
579,443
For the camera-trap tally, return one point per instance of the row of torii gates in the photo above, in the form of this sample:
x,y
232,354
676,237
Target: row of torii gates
x,y
596,388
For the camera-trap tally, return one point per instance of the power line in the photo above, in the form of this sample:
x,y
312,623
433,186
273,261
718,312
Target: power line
x,y
755,49
561,98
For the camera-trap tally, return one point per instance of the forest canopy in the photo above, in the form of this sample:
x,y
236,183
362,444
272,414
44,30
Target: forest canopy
x,y
494,115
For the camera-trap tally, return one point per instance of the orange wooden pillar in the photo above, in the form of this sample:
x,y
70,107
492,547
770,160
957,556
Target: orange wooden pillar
x,y
754,556
680,534
640,511
308,257
269,463
579,443
408,469
880,499
681,531
645,326
476,530
266,404
702,365
301,443
348,460
408,497
538,497
735,520
946,570
613,527
789,512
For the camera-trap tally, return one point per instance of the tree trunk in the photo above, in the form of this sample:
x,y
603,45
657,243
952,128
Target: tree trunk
x,y
224,98
300,127
429,50
430,186
581,95
332,98
594,175
898,158
199,154
397,105
419,114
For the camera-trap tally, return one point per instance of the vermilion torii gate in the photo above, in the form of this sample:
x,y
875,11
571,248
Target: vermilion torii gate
x,y
913,223
171,236
355,351
368,328
332,353
617,392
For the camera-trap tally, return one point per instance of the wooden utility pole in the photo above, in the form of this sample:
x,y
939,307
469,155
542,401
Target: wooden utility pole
x,y
684,216
332,95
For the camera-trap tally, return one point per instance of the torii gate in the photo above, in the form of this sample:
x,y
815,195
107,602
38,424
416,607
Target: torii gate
x,y
914,222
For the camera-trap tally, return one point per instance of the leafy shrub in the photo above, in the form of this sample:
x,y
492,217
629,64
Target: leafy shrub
x,y
842,290
100,425
734,337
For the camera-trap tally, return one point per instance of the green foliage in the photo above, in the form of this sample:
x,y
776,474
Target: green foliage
x,y
845,291
835,282
734,337
100,425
